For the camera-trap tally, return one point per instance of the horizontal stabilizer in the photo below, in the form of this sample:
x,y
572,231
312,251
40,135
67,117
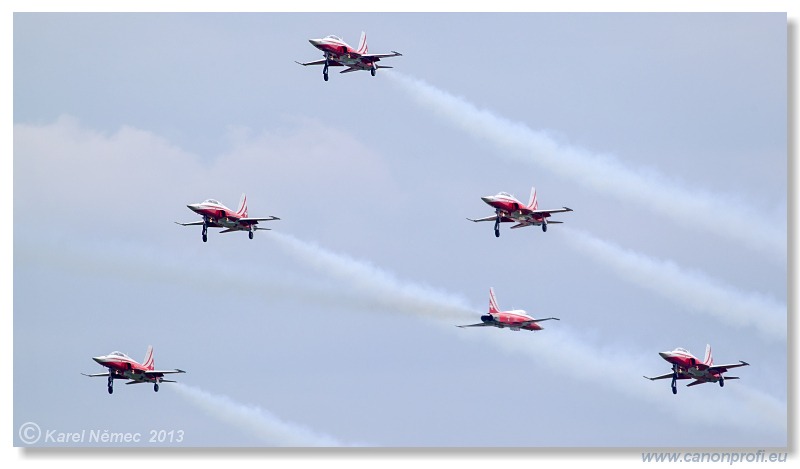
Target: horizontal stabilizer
x,y
261,229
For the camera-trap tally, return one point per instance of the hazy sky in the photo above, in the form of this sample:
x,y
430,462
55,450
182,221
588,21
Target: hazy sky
x,y
665,133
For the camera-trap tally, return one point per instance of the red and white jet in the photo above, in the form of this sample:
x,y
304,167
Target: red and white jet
x,y
216,215
340,54
508,209
687,366
514,319
121,366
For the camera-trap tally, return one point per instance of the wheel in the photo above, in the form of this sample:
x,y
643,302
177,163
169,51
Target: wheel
x,y
496,233
110,390
155,387
721,382
205,238
544,227
251,235
325,76
372,72
674,390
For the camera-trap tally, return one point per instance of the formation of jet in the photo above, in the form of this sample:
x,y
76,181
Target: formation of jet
x,y
216,215
515,319
121,366
508,209
340,54
687,366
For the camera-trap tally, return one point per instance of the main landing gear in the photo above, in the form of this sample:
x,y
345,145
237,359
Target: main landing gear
x,y
250,234
544,227
155,387
110,384
674,379
721,381
373,70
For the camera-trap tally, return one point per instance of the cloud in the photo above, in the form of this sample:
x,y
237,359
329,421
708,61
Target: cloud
x,y
605,173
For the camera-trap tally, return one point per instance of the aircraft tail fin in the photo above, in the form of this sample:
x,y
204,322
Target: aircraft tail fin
x,y
493,309
149,362
709,359
533,203
362,44
242,211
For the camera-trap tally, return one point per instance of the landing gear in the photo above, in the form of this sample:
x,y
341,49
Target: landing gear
x,y
497,226
205,230
372,71
325,69
110,384
251,235
544,227
674,379
721,381
155,387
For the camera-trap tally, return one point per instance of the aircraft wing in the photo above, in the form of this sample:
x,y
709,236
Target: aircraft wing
x,y
668,375
246,220
482,324
373,57
191,223
724,368
94,375
544,212
331,63
528,323
350,69
159,373
492,218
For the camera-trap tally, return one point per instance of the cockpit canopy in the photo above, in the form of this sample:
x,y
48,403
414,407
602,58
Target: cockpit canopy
x,y
335,38
211,201
682,350
505,194
118,354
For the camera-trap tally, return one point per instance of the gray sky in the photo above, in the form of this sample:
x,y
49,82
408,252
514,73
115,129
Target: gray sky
x,y
666,133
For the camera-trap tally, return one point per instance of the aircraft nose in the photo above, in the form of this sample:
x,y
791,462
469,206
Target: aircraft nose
x,y
315,42
193,207
99,360
488,199
665,355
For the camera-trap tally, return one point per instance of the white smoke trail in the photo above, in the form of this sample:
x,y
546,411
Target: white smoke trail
x,y
563,352
603,172
254,420
691,289
381,288
620,370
